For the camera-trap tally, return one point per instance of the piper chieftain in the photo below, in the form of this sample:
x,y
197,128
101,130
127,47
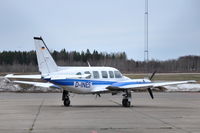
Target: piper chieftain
x,y
85,80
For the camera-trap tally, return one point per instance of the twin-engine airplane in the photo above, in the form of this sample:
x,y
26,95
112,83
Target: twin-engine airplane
x,y
85,80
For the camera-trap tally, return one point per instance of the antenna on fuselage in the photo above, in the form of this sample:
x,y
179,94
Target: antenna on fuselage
x,y
88,63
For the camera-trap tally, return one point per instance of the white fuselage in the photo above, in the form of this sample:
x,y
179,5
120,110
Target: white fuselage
x,y
99,78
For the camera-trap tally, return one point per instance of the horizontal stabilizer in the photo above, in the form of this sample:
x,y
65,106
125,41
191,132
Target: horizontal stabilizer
x,y
23,76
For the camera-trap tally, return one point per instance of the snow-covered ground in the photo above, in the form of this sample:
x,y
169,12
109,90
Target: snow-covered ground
x,y
7,86
184,87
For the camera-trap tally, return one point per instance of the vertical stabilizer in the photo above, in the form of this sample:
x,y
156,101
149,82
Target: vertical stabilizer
x,y
46,63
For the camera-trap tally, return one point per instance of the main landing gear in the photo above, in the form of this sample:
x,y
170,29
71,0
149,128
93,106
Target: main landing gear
x,y
126,102
65,98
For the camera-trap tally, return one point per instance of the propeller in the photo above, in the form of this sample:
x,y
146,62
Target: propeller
x,y
150,92
149,89
152,75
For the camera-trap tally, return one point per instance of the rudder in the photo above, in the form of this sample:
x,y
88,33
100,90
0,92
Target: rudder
x,y
46,63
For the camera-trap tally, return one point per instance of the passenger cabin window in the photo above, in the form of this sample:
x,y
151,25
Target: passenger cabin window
x,y
104,74
118,74
111,74
79,73
87,72
96,74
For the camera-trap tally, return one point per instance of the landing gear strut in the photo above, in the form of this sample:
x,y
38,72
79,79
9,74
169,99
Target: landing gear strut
x,y
126,102
65,98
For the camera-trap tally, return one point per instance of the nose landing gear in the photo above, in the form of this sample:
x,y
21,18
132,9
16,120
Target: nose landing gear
x,y
126,101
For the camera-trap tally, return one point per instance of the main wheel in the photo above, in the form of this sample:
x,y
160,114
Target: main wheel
x,y
66,102
65,98
126,103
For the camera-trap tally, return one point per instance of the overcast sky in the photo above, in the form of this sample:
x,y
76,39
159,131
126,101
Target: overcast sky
x,y
103,25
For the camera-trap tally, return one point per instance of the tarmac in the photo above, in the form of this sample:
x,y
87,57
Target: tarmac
x,y
44,113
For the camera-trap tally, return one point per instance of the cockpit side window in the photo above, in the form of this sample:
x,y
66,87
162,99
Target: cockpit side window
x,y
118,74
87,72
111,74
96,74
104,74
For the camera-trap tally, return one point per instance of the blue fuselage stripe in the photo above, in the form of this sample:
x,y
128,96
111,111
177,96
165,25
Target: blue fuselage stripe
x,y
70,82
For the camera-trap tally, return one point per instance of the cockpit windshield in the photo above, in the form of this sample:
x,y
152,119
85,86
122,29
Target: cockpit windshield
x,y
117,74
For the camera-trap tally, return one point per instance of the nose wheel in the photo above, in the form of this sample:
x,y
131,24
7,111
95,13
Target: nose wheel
x,y
65,98
126,101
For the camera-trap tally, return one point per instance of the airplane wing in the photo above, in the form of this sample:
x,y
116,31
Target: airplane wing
x,y
38,84
130,85
173,83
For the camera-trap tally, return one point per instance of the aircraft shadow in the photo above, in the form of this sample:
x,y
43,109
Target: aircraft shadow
x,y
95,106
86,106
159,107
117,106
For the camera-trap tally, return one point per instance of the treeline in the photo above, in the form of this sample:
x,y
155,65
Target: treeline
x,y
17,61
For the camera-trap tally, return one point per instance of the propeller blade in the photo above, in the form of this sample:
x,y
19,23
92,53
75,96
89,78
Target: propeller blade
x,y
150,92
152,75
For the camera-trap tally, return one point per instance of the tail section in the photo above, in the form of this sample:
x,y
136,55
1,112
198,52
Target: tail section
x,y
46,63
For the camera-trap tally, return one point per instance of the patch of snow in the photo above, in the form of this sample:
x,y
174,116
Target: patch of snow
x,y
184,87
6,86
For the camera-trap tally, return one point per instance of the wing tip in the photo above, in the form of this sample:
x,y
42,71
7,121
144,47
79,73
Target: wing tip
x,y
192,81
9,75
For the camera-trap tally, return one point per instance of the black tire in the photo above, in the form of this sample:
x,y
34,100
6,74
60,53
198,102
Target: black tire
x,y
126,103
66,102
